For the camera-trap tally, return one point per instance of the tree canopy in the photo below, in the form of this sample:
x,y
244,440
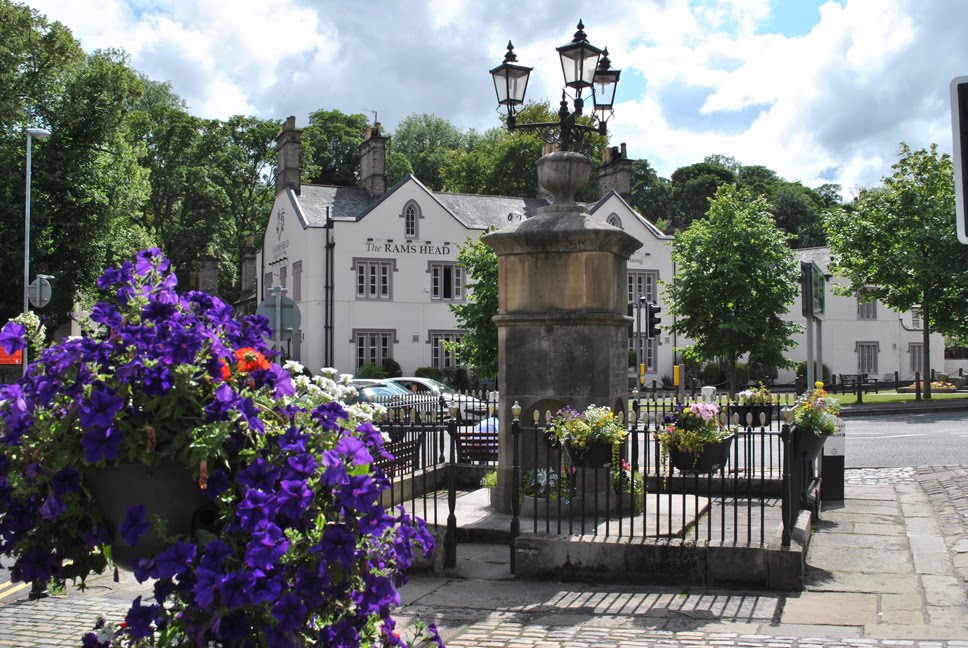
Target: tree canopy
x,y
478,346
897,244
735,280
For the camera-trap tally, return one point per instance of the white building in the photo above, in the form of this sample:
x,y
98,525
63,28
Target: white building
x,y
374,271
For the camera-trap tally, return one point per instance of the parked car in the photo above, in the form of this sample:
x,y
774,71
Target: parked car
x,y
469,409
394,397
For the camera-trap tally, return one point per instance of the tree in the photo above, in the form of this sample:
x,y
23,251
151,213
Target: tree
x,y
425,140
478,346
735,280
651,194
797,211
898,245
692,187
331,147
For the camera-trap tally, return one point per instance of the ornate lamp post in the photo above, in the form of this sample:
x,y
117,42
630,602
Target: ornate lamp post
x,y
562,322
585,67
41,134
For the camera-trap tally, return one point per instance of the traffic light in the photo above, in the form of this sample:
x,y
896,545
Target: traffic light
x,y
653,320
959,132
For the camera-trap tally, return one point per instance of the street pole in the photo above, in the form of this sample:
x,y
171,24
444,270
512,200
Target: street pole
x,y
40,134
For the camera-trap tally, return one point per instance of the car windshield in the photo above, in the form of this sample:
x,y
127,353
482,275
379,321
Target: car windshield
x,y
377,392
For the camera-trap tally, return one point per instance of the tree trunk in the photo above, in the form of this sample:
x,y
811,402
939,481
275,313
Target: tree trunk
x,y
927,346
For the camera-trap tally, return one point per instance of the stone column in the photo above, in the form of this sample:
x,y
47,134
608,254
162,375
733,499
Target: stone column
x,y
562,322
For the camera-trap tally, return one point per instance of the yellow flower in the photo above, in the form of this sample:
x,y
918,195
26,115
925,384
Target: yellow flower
x,y
818,384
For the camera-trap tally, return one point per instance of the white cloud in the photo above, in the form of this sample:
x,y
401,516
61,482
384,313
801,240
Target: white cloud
x,y
829,104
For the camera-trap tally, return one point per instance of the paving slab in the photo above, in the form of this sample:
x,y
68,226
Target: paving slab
x,y
861,560
831,608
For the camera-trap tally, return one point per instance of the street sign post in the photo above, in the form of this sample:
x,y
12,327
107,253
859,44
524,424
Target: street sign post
x,y
959,134
39,291
282,313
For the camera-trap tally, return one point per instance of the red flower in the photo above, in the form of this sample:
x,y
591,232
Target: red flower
x,y
250,360
226,372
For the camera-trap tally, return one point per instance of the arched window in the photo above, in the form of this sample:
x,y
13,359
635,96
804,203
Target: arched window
x,y
614,221
411,218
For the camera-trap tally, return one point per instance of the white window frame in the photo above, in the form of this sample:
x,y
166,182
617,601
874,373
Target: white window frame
x,y
867,353
440,357
373,278
642,282
866,310
372,346
411,215
916,357
916,322
440,284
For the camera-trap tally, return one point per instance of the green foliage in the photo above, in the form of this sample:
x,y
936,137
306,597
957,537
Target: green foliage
x,y
735,280
478,345
330,147
651,195
371,370
425,142
391,368
712,374
456,377
429,372
802,371
898,244
816,412
489,480
692,188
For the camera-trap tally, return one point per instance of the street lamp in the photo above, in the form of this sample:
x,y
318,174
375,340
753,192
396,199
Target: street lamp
x,y
584,67
41,134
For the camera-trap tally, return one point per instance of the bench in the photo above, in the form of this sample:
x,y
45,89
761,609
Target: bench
x,y
477,446
406,456
849,383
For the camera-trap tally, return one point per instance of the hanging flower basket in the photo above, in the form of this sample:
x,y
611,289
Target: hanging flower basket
x,y
166,489
757,411
594,455
711,458
807,443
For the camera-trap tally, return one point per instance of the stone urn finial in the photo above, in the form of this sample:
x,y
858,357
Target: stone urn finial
x,y
563,174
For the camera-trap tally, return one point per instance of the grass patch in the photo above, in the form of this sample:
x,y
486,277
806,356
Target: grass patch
x,y
893,397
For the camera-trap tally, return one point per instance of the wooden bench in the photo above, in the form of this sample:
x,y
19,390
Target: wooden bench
x,y
477,446
406,456
850,382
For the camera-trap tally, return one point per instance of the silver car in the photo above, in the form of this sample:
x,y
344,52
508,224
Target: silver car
x,y
469,409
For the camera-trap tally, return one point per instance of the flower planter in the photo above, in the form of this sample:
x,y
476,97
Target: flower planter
x,y
594,455
806,444
756,410
166,489
711,458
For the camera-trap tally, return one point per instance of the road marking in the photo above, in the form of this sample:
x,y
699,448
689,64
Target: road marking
x,y
901,436
9,589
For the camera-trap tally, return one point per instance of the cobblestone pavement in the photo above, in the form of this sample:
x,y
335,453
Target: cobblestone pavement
x,y
879,576
947,489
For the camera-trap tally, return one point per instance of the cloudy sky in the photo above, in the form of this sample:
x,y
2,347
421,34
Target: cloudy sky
x,y
820,91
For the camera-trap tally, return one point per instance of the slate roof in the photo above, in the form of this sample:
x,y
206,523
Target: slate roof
x,y
481,212
343,202
819,255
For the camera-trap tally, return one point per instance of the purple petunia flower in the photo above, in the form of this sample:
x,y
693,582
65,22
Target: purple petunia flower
x,y
134,525
293,498
206,587
289,612
328,415
139,619
107,315
157,380
267,546
52,508
174,560
101,445
13,337
98,410
293,440
260,475
354,450
235,589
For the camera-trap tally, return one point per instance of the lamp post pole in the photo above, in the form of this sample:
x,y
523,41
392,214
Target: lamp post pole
x,y
41,134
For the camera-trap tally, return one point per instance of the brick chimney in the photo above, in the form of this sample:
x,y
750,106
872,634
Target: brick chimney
x,y
287,156
373,161
208,274
616,172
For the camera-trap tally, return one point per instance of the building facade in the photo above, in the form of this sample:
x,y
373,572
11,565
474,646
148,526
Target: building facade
x,y
374,272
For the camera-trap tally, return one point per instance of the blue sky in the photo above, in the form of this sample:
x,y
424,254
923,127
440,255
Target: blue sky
x,y
818,91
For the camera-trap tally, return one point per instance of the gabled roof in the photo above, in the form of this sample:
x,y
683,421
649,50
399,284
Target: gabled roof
x,y
819,255
594,207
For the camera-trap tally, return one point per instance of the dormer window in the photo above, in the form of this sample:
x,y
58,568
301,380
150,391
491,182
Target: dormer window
x,y
411,218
